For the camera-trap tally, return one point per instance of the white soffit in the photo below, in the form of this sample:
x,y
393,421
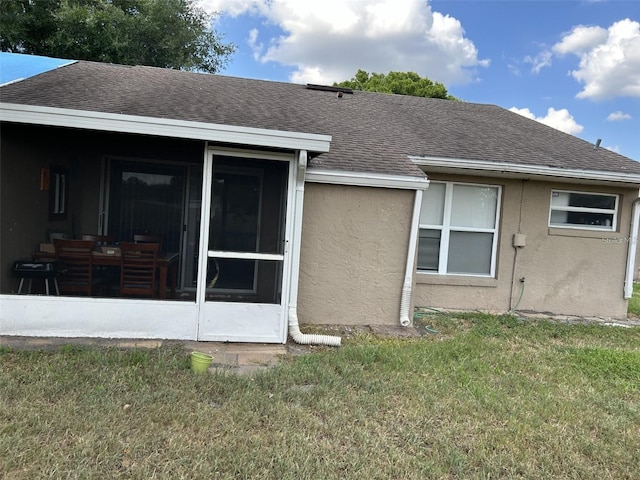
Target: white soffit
x,y
513,170
113,122
364,179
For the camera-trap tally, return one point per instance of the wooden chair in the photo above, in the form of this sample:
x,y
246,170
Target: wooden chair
x,y
109,275
148,239
78,261
101,240
138,269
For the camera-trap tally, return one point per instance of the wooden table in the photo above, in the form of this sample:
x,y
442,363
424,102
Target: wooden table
x,y
166,263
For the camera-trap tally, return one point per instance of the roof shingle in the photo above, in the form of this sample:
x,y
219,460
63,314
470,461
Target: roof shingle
x,y
372,132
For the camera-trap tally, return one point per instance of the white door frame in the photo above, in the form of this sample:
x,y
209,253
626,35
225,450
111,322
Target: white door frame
x,y
237,321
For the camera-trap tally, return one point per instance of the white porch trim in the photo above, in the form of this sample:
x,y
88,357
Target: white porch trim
x,y
113,122
245,255
52,316
364,179
513,170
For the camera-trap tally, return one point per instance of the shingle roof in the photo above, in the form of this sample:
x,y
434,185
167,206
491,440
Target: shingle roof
x,y
371,132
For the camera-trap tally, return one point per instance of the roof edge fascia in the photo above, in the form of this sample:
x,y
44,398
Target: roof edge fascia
x,y
525,171
365,179
114,122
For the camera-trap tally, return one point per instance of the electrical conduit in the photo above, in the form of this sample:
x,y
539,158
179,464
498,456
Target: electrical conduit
x,y
405,298
294,326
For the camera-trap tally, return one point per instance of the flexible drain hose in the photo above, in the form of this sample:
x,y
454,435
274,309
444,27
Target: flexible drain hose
x,y
307,338
405,302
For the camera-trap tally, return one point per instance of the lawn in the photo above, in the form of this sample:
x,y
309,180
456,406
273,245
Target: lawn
x,y
480,397
634,301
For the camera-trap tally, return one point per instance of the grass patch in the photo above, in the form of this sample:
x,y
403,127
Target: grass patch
x,y
634,302
485,397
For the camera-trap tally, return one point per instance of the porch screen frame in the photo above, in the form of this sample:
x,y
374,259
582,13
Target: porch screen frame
x,y
249,171
204,253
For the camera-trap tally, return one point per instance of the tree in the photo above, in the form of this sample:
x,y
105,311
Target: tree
x,y
399,83
162,33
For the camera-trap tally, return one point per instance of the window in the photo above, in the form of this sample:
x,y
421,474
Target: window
x,y
58,193
459,229
593,211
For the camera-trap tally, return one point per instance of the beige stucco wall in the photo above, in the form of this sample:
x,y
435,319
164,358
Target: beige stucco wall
x,y
353,254
566,271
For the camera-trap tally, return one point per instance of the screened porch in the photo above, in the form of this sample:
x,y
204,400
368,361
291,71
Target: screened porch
x,y
78,203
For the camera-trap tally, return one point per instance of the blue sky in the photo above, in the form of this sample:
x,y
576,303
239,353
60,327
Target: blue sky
x,y
574,65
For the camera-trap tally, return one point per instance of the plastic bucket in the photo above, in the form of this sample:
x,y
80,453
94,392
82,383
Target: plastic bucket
x,y
200,362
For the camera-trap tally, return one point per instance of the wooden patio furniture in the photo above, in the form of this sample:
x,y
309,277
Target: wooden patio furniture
x,y
138,269
76,255
100,240
139,238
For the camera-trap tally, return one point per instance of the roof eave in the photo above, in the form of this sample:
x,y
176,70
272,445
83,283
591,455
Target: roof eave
x,y
366,179
521,171
113,122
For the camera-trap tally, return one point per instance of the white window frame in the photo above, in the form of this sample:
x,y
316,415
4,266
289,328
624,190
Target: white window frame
x,y
446,229
614,222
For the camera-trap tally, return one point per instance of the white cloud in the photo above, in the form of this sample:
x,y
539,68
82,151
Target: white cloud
x,y
581,39
330,40
613,148
256,47
543,59
559,119
609,59
618,116
232,7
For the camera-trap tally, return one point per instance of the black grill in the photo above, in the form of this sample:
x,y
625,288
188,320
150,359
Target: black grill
x,y
36,268
44,269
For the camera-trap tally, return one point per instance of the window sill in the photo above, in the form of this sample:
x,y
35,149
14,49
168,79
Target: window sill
x,y
455,280
582,233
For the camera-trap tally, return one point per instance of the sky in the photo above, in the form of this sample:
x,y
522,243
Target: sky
x,y
573,65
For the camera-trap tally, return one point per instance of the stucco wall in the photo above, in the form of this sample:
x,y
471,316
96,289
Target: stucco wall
x,y
353,256
566,271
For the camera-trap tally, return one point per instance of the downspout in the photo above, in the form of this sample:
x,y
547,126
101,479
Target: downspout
x,y
294,327
631,252
405,298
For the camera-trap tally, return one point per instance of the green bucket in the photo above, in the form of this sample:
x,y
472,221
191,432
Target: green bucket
x,y
200,362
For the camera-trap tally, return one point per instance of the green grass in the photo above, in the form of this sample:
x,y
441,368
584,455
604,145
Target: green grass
x,y
484,397
634,301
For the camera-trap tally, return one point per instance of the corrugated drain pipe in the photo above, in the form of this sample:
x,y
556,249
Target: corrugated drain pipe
x,y
294,327
405,298
631,251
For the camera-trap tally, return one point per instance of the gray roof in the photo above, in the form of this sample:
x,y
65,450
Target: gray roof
x,y
372,132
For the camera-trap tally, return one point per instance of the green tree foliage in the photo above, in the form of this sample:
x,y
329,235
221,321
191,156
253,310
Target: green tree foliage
x,y
399,83
162,33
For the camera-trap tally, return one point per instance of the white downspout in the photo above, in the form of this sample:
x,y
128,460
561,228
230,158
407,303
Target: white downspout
x,y
405,298
294,327
631,252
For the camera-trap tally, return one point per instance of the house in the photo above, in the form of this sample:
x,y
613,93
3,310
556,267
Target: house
x,y
280,203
